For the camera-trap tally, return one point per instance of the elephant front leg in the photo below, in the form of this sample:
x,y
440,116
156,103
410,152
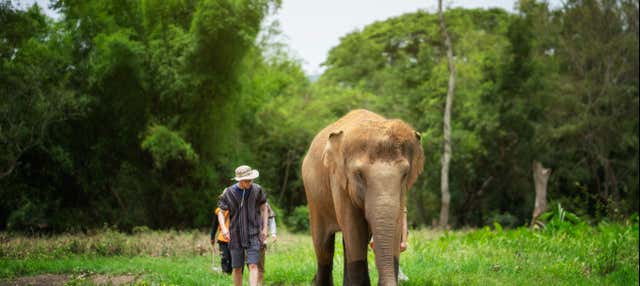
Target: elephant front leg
x,y
355,233
323,242
324,253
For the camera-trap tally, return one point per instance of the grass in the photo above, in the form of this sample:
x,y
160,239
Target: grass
x,y
606,254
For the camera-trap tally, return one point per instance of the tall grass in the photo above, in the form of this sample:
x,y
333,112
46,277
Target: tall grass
x,y
107,242
571,254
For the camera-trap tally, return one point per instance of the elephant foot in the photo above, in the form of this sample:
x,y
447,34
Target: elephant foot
x,y
357,274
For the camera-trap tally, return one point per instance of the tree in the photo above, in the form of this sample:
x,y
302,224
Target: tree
x,y
136,112
540,178
446,156
598,52
34,91
161,82
402,62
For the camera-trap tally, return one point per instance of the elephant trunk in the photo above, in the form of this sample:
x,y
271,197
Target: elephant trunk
x,y
384,218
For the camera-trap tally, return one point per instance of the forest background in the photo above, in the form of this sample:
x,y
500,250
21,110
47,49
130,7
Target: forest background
x,y
135,113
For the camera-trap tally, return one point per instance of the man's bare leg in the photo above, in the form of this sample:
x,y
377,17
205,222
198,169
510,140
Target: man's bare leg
x,y
261,261
253,274
237,276
260,278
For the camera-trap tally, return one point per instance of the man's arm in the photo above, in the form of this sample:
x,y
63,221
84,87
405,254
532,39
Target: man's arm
x,y
223,205
265,219
272,223
405,231
272,226
223,227
214,227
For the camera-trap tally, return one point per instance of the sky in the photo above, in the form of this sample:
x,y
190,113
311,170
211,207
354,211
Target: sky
x,y
312,27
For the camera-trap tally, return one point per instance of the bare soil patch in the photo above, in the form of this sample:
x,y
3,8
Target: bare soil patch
x,y
61,279
38,280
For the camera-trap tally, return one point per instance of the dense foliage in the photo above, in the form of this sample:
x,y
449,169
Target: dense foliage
x,y
541,85
155,87
135,113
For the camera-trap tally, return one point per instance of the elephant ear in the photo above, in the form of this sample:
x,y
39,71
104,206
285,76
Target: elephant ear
x,y
333,160
417,161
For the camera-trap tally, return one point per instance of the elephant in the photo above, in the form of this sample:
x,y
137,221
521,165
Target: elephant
x,y
356,175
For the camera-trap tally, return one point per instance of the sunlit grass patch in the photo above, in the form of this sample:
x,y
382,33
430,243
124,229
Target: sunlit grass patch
x,y
582,255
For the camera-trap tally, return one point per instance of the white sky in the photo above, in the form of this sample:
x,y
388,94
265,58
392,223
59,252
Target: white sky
x,y
312,27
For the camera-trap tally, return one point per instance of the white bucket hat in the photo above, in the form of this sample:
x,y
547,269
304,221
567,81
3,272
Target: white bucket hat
x,y
245,172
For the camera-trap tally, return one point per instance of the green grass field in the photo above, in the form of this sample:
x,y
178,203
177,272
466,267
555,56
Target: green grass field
x,y
606,254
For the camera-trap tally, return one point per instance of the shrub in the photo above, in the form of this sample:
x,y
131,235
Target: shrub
x,y
28,216
298,221
166,145
560,220
504,219
141,229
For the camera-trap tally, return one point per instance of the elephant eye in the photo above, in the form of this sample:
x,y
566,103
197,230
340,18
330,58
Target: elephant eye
x,y
360,181
404,168
359,175
405,174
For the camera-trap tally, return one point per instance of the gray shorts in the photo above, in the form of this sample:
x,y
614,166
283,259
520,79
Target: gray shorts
x,y
238,256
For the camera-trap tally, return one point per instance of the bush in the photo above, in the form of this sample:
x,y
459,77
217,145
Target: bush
x,y
29,216
298,221
166,145
559,219
504,219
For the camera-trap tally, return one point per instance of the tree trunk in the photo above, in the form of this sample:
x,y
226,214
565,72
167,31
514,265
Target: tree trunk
x,y
540,178
285,180
471,201
446,156
611,185
118,199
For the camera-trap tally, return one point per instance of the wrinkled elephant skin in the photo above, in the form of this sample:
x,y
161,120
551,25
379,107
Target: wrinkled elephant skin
x,y
356,175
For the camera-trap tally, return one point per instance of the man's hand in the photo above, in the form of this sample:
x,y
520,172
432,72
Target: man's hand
x,y
213,243
225,233
403,246
274,238
263,235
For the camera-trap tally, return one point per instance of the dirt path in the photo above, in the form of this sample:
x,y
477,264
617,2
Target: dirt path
x,y
61,279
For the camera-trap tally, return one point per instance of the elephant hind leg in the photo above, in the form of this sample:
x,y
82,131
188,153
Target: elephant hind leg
x,y
324,246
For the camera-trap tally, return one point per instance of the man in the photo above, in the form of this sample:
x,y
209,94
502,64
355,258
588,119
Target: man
x,y
246,203
223,243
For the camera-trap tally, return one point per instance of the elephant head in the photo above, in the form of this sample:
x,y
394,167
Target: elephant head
x,y
376,164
